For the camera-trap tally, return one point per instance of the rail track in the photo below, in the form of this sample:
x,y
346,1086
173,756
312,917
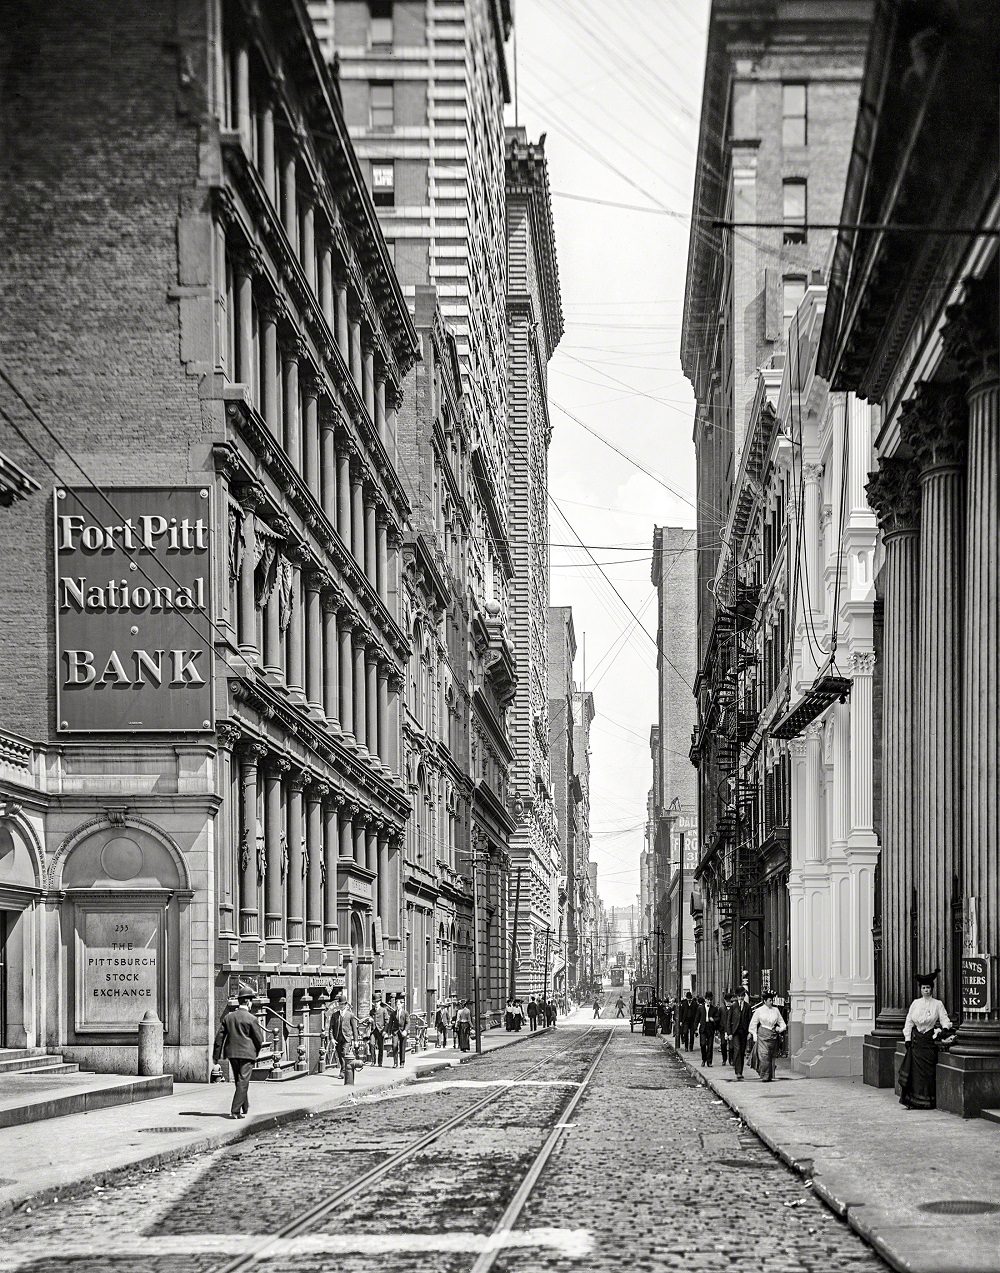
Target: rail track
x,y
361,1185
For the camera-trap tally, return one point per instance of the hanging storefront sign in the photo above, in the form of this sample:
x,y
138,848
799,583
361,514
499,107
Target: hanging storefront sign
x,y
133,606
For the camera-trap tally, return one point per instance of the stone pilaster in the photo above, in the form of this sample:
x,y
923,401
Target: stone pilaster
x,y
933,422
895,497
969,1076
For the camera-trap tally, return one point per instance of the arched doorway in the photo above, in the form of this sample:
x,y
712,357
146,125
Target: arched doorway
x,y
20,891
357,950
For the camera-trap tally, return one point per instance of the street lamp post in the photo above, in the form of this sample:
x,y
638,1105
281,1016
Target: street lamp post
x,y
680,943
475,951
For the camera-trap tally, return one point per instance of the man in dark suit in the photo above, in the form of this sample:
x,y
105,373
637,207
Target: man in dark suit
x,y
708,1024
239,1040
688,1010
738,1027
400,1026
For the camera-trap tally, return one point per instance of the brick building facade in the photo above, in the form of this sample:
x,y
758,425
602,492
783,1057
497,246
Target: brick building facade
x,y
199,296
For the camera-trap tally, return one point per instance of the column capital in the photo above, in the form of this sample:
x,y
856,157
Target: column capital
x,y
934,423
812,473
294,346
331,416
862,663
250,495
252,751
274,309
249,259
894,494
277,763
298,779
317,789
228,734
313,384
970,333
332,599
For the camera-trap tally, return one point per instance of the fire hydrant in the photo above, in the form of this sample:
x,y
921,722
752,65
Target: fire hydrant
x,y
349,1065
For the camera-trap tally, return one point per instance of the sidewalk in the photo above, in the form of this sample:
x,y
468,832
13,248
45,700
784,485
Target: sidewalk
x,y
888,1172
41,1160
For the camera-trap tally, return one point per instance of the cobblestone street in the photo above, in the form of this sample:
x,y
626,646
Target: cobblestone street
x,y
652,1170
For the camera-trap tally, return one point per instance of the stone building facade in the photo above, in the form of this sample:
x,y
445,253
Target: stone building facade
x,y
244,344
534,328
566,791
911,326
584,879
777,115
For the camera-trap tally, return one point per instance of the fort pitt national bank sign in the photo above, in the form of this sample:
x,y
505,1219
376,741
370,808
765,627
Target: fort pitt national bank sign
x,y
133,604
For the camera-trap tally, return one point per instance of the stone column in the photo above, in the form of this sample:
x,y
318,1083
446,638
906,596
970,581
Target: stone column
x,y
370,541
344,490
327,300
275,855
933,422
358,850
328,464
380,408
346,660
371,700
293,426
360,691
368,377
347,812
969,1075
269,314
354,326
862,829
331,851
393,400
381,556
390,750
371,848
382,735
295,883
343,332
312,387
307,252
250,499
226,846
314,642
291,214
332,602
294,662
895,497
250,755
314,871
267,170
358,514
245,269
383,890
241,104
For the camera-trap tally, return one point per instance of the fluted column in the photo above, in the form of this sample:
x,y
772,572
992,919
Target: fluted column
x,y
275,852
328,465
360,691
295,883
312,387
368,378
346,661
250,755
331,851
315,867
250,499
933,422
862,830
357,514
370,541
269,315
371,700
314,642
331,658
971,339
293,425
895,497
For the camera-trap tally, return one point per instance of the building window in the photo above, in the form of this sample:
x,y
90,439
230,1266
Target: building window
x,y
383,183
380,24
381,113
794,210
793,288
793,115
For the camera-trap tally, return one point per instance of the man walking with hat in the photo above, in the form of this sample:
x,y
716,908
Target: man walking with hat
x,y
239,1040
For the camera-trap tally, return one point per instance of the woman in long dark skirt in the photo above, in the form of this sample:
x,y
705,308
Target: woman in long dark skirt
x,y
925,1021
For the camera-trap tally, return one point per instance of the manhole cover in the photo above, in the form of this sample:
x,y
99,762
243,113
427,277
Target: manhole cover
x,y
747,1163
164,1130
960,1207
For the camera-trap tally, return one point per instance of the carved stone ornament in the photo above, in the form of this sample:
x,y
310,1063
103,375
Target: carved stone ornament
x,y
863,663
894,493
970,334
934,422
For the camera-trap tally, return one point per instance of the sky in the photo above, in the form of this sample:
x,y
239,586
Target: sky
x,y
616,87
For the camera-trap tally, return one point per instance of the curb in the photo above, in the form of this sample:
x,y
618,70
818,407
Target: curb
x,y
225,1137
804,1168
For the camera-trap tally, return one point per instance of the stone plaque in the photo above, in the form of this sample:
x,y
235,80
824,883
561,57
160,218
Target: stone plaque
x,y
118,968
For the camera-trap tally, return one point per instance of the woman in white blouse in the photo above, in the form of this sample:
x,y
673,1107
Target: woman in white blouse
x,y
926,1019
766,1025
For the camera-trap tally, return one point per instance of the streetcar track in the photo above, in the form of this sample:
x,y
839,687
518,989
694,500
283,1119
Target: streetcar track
x,y
376,1173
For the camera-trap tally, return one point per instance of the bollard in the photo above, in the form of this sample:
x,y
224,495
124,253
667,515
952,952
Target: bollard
x,y
150,1045
349,1062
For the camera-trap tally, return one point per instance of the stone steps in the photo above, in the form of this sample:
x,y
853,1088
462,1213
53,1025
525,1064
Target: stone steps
x,y
35,1062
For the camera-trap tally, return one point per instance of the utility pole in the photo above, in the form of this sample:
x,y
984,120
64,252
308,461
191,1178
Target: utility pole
x,y
680,945
545,971
513,935
658,934
475,950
